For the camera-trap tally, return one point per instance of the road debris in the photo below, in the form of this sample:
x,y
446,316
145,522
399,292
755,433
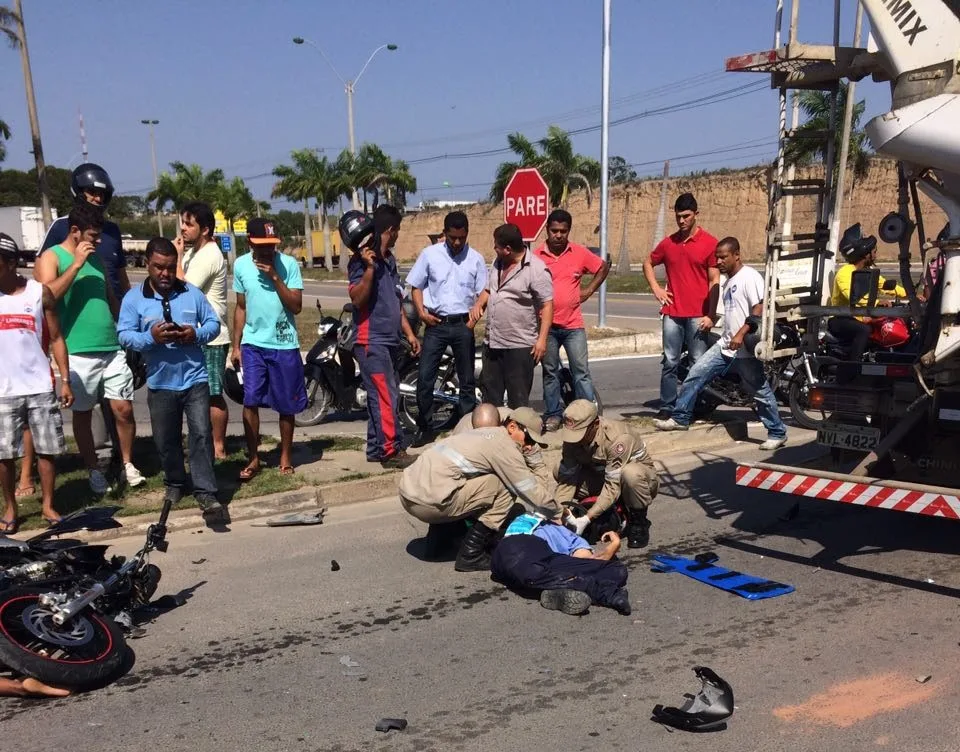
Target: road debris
x,y
708,710
334,565
391,724
924,678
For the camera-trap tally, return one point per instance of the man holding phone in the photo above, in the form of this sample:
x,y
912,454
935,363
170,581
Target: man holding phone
x,y
269,291
169,321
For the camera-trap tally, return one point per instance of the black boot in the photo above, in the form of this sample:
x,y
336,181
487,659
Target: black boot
x,y
473,555
638,530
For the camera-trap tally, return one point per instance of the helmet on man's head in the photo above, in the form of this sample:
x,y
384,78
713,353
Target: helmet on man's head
x,y
357,231
854,246
91,177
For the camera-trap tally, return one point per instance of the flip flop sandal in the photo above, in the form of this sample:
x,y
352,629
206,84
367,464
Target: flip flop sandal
x,y
51,521
249,473
25,491
287,470
9,527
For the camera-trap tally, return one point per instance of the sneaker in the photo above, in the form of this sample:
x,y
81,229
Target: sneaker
x,y
133,476
664,414
551,424
399,461
98,482
621,602
770,444
669,425
573,602
209,506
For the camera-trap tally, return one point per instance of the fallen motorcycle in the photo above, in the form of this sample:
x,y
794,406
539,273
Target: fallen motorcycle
x,y
63,604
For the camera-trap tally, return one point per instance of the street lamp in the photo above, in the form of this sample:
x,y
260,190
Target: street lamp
x,y
153,154
348,87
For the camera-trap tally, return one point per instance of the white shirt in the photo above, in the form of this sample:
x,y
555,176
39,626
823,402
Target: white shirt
x,y
25,367
740,294
206,268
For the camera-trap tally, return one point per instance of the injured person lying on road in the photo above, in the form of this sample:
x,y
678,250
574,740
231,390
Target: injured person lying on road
x,y
537,554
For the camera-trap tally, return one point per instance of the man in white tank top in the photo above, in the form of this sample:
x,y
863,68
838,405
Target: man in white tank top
x,y
27,395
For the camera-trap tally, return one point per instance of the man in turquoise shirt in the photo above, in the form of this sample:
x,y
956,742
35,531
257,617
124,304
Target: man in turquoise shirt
x,y
266,348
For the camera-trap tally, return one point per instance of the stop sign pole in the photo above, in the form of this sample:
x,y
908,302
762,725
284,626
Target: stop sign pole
x,y
526,202
604,160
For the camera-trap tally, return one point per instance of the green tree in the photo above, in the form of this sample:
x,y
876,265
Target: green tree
x,y
560,166
620,171
815,106
20,188
312,176
234,201
186,183
4,136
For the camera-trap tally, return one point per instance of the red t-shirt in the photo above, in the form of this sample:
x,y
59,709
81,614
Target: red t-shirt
x,y
687,262
566,270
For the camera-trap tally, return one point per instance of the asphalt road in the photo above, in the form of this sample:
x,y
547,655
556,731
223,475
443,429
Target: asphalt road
x,y
261,656
625,384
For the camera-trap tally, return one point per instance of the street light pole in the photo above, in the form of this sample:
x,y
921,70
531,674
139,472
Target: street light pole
x,y
156,179
604,157
34,118
348,87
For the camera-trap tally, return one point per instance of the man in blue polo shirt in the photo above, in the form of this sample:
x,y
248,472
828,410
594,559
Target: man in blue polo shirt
x,y
169,321
375,293
446,281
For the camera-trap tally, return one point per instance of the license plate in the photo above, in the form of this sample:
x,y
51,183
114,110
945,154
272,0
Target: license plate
x,y
860,438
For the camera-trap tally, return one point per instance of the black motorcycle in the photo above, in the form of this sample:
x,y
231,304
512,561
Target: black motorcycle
x,y
64,604
728,389
333,378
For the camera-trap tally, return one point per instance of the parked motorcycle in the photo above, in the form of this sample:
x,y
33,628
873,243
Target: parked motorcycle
x,y
63,603
728,388
333,380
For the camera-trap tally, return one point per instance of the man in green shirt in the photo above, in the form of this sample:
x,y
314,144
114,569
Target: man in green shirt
x,y
98,366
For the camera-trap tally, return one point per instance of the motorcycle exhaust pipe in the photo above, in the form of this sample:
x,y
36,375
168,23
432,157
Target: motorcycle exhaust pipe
x,y
713,394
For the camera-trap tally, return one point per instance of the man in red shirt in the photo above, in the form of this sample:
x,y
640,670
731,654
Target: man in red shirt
x,y
567,262
689,306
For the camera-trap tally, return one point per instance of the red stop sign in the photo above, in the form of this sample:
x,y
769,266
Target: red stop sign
x,y
526,202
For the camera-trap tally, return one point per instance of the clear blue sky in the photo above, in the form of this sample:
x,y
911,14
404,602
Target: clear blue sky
x,y
231,90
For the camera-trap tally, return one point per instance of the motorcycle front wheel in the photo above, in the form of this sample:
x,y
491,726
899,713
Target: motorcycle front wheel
x,y
445,414
86,652
319,401
568,394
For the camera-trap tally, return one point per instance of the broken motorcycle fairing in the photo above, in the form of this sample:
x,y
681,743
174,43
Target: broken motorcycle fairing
x,y
708,710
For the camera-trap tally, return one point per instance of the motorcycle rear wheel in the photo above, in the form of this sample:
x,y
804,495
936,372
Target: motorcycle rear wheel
x,y
799,409
319,401
86,652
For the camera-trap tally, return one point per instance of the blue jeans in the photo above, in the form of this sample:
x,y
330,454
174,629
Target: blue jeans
x,y
574,343
167,411
713,364
679,334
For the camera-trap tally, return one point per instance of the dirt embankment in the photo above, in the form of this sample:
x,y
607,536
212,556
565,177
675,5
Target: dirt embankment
x,y
732,204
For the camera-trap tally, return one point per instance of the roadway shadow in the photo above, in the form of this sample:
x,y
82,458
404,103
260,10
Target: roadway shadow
x,y
843,531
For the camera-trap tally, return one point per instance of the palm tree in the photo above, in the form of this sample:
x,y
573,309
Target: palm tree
x,y
9,24
234,200
187,183
312,176
815,106
4,136
560,166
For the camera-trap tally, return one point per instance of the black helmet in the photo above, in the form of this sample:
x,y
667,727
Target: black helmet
x,y
91,177
138,367
357,230
233,384
854,246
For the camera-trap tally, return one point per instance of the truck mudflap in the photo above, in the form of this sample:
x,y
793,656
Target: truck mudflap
x,y
933,501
